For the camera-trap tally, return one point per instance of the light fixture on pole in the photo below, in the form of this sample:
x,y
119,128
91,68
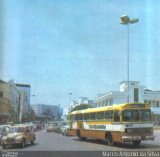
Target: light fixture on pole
x,y
125,20
70,94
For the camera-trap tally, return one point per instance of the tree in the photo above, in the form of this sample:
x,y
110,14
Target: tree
x,y
81,107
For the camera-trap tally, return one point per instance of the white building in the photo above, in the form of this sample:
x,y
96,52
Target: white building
x,y
137,93
82,100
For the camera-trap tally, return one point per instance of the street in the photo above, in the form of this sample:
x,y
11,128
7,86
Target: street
x,y
56,142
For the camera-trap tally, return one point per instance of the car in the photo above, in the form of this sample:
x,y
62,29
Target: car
x,y
38,125
32,124
65,130
19,135
50,128
4,130
57,128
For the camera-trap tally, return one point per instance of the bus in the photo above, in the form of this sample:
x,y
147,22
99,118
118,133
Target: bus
x,y
129,122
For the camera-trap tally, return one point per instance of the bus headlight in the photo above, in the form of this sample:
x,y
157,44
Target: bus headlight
x,y
130,131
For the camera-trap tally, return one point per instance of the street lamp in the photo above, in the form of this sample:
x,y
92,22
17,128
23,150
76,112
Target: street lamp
x,y
70,94
125,20
33,95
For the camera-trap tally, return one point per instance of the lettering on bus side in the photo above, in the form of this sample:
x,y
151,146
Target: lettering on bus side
x,y
103,127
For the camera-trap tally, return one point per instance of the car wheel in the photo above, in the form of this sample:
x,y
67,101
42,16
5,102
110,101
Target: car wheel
x,y
3,146
136,143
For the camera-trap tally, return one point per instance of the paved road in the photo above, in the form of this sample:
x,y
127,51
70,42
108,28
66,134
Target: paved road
x,y
56,142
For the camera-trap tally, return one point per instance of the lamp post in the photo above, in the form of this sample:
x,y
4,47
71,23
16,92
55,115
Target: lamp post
x,y
70,94
33,95
125,20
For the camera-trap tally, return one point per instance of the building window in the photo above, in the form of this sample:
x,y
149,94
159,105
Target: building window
x,y
136,94
1,94
157,103
93,116
100,115
116,116
145,101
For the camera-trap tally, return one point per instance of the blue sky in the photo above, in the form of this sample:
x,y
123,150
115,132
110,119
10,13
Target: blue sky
x,y
78,46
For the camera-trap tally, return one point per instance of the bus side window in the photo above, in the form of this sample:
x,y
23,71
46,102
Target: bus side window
x,y
86,116
100,115
116,116
109,115
93,116
77,117
81,117
72,117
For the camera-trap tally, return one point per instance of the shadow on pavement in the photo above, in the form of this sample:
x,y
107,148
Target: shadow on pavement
x,y
121,145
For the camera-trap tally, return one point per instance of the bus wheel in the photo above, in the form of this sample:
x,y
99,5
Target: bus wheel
x,y
110,139
136,143
78,134
3,146
80,137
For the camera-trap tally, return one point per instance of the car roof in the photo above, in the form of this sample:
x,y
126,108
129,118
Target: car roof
x,y
1,126
22,125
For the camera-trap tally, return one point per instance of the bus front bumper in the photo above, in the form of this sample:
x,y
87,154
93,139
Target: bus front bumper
x,y
137,138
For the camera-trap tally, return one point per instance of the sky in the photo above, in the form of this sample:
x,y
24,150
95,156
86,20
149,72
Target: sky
x,y
78,46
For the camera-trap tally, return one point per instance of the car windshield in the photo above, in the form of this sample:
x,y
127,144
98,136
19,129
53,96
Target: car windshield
x,y
17,129
136,115
4,129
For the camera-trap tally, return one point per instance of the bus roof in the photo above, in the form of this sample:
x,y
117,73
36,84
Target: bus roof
x,y
113,107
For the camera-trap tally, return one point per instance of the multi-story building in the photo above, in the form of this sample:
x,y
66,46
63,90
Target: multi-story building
x,y
14,101
10,98
24,100
137,93
82,100
5,105
48,110
25,88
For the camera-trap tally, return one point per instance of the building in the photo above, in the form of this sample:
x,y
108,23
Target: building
x,y
24,90
137,93
48,110
82,100
10,101
14,102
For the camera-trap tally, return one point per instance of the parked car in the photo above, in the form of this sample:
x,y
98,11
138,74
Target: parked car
x,y
57,128
65,130
38,125
4,130
32,124
19,135
50,128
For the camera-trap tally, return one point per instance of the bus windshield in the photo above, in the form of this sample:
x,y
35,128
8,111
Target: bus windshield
x,y
136,115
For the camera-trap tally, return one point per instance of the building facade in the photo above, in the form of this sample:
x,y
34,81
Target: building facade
x,y
24,90
81,100
137,93
14,101
10,98
48,110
